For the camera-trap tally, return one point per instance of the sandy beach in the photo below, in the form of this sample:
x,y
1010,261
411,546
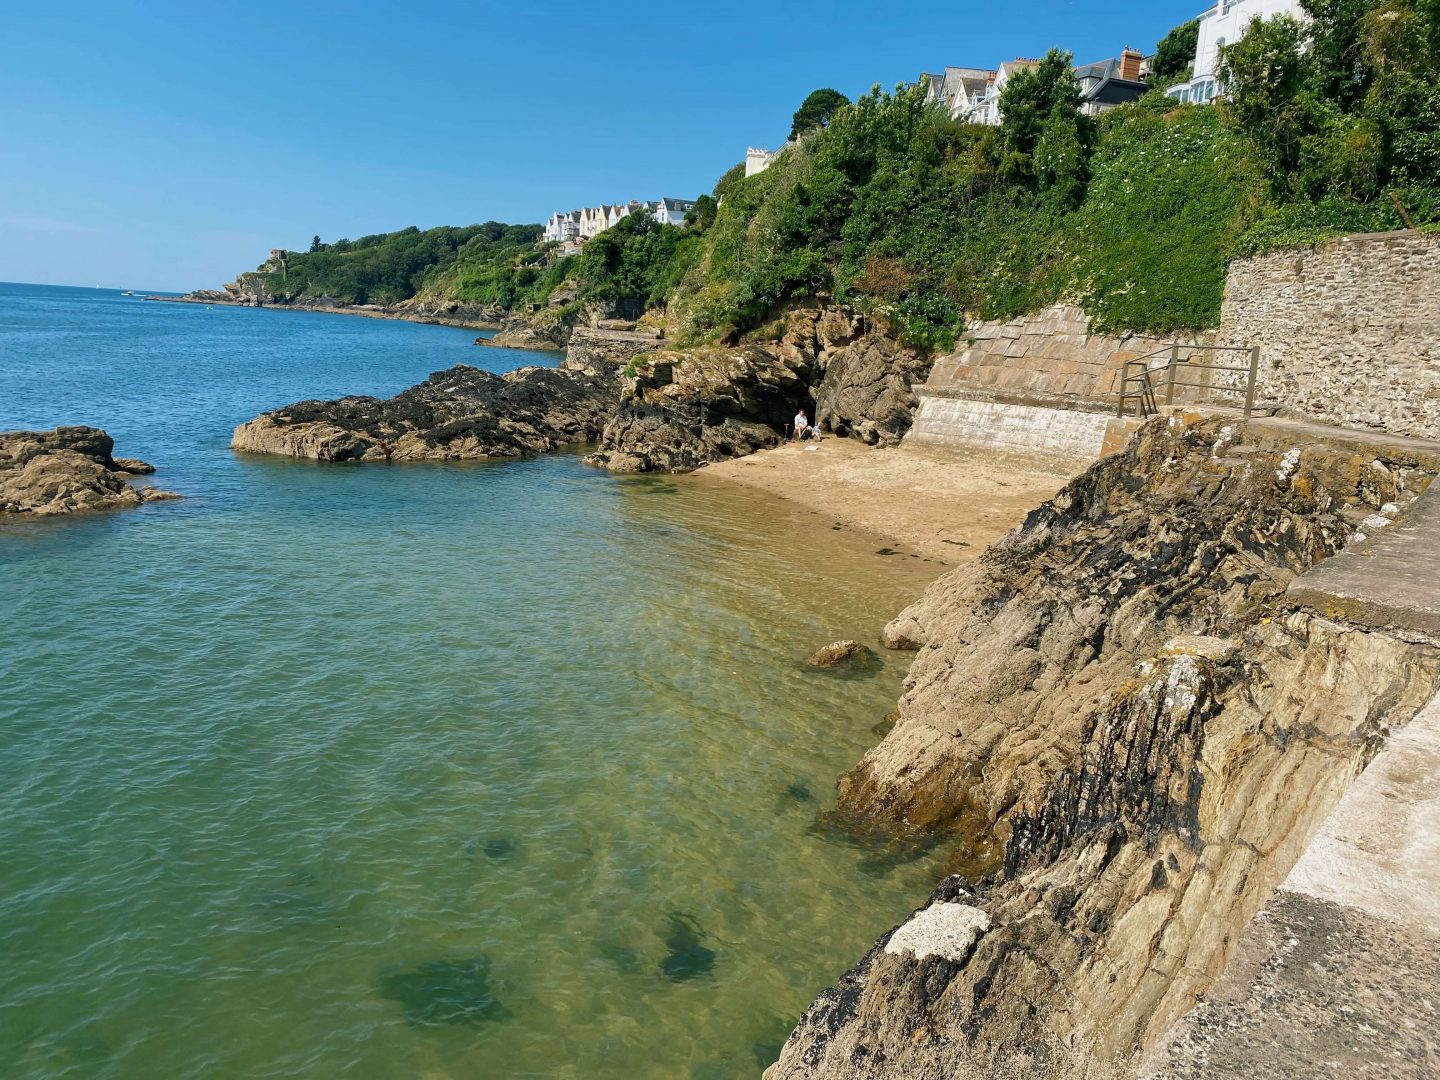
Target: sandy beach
x,y
943,504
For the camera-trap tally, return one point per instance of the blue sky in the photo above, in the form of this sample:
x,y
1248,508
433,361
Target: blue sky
x,y
169,145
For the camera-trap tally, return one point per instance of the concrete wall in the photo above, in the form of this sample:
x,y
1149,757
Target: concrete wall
x,y
1003,425
1349,333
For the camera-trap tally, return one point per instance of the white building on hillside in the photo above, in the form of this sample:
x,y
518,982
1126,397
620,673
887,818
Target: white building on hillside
x,y
1224,24
984,107
957,89
562,227
758,159
672,211
572,228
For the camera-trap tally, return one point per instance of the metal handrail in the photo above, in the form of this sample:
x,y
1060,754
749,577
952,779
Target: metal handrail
x,y
1145,375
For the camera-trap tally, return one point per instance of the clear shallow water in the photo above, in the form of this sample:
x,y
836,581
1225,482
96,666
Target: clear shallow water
x,y
300,771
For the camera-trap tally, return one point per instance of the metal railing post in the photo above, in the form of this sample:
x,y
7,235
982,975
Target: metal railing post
x,y
1170,374
1250,385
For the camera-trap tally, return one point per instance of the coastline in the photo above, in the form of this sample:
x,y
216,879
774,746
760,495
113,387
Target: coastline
x,y
941,504
460,323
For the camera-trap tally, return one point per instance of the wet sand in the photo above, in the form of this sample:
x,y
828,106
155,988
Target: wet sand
x,y
945,504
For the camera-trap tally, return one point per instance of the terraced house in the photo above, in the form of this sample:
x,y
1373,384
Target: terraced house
x,y
972,95
1224,24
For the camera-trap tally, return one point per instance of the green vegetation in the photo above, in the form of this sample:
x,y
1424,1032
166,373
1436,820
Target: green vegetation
x,y
390,267
1175,55
816,110
924,223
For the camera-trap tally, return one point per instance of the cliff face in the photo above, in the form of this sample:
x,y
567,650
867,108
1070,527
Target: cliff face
x,y
1131,736
681,410
69,469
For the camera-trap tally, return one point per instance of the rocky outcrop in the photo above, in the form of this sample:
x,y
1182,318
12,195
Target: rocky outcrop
x,y
865,390
842,654
680,410
516,334
69,469
1130,734
455,414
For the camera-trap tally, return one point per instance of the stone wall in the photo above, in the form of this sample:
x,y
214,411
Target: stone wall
x,y
1039,383
1349,333
1050,354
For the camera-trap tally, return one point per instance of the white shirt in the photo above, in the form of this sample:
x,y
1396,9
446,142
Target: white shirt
x,y
800,422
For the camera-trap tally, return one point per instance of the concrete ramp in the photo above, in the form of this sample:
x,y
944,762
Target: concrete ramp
x,y
1339,974
1391,581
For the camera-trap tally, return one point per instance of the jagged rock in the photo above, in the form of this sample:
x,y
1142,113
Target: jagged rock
x,y
1118,700
458,413
836,329
603,351
133,466
681,410
69,469
519,335
866,391
841,652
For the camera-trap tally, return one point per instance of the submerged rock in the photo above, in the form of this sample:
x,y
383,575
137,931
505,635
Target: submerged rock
x,y
848,654
69,469
460,413
444,992
688,958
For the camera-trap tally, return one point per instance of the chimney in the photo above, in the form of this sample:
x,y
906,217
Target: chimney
x,y
1130,64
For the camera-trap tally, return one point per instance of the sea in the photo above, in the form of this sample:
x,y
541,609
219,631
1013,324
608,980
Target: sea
x,y
433,770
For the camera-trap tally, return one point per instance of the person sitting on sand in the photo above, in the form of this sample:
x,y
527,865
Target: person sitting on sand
x,y
802,424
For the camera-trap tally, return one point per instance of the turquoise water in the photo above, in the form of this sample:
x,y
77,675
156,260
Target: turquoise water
x,y
388,771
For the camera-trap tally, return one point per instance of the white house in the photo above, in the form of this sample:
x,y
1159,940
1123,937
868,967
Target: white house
x,y
672,211
957,89
1224,24
984,107
592,222
758,159
563,226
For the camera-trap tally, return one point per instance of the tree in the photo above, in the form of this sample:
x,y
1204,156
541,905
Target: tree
x,y
1175,53
315,245
1044,136
1031,95
1267,76
816,110
702,215
1061,160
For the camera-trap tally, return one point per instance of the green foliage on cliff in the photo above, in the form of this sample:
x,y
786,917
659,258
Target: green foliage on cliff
x,y
923,222
1175,54
390,267
1346,106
